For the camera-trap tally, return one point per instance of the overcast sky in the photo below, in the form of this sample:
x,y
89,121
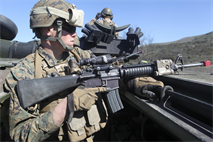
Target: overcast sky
x,y
164,20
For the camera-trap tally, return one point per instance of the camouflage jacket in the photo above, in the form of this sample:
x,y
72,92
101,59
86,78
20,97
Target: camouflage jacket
x,y
25,125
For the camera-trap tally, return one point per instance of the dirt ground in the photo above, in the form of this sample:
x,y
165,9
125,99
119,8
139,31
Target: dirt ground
x,y
201,74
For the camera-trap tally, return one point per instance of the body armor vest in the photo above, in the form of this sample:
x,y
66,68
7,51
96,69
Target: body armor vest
x,y
84,123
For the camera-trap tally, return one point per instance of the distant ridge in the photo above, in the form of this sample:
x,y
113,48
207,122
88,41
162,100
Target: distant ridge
x,y
193,49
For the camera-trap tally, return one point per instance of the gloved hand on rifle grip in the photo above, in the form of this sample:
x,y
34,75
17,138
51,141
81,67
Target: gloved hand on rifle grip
x,y
84,98
133,38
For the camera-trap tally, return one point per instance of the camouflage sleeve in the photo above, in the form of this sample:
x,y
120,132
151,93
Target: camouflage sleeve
x,y
101,21
26,126
92,21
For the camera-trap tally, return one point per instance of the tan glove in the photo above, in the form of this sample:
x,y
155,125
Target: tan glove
x,y
82,99
144,86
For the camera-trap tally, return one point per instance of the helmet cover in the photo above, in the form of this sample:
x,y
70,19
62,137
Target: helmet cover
x,y
45,12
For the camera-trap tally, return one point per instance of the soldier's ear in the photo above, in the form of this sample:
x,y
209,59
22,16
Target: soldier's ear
x,y
44,31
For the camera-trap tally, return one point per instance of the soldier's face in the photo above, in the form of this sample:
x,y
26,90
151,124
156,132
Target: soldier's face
x,y
68,38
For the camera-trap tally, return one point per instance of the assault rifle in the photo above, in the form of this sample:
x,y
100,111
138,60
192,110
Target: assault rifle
x,y
99,75
106,59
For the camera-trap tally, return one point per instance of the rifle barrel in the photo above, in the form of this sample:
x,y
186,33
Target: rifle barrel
x,y
191,65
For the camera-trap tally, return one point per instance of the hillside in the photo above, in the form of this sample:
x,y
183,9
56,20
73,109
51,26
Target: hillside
x,y
193,49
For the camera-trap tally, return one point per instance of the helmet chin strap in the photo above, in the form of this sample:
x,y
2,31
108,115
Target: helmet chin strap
x,y
59,24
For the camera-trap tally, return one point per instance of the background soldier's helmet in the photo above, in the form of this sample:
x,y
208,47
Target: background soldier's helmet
x,y
107,12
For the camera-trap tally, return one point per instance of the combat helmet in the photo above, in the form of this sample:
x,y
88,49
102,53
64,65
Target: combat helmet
x,y
107,12
45,13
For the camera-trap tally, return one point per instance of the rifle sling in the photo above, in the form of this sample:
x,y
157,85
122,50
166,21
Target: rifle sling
x,y
76,54
38,60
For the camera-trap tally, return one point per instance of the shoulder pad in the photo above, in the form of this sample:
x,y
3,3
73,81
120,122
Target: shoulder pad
x,y
31,57
23,70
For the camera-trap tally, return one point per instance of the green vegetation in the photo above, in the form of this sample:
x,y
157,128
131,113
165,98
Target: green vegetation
x,y
193,49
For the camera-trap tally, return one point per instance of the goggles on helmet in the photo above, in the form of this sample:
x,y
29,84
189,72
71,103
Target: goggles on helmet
x,y
67,27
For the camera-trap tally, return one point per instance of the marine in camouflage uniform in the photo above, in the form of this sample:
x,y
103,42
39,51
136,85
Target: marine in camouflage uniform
x,y
107,16
47,120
